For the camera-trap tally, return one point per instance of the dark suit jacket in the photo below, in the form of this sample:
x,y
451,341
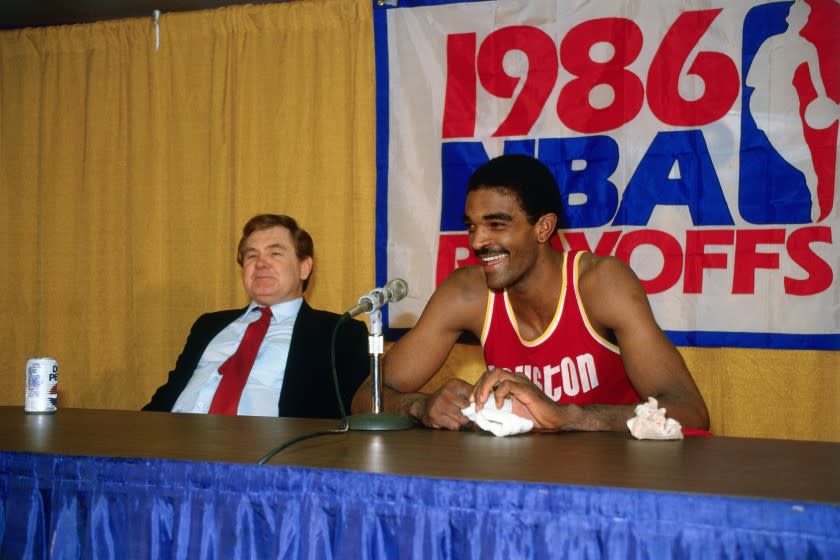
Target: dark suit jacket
x,y
308,389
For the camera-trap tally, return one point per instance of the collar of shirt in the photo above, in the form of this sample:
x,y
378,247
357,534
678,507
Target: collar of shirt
x,y
282,310
262,390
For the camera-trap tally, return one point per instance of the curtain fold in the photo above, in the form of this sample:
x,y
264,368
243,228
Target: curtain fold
x,y
88,507
128,171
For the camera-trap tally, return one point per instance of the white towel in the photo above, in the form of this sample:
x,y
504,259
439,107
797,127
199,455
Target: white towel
x,y
650,423
500,421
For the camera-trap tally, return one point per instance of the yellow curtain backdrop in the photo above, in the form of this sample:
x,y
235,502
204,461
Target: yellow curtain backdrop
x,y
127,172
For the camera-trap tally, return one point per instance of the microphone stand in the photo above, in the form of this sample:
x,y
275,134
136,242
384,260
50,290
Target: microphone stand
x,y
376,419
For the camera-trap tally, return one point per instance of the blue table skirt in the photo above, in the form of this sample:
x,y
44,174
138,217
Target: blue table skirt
x,y
92,507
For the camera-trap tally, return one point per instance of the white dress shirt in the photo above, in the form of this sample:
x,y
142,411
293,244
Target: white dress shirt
x,y
262,390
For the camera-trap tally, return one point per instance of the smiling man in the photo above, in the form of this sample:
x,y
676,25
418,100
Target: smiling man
x,y
271,358
569,336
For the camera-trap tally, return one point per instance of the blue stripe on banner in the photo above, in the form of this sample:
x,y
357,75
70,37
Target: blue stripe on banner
x,y
380,31
707,339
755,340
420,3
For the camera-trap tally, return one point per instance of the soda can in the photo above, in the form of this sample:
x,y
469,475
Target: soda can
x,y
41,386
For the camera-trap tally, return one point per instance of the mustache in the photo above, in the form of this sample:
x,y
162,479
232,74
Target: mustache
x,y
491,252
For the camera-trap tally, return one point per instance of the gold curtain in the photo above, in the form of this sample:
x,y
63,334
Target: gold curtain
x,y
127,172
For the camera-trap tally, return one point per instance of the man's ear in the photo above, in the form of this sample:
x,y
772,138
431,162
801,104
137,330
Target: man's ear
x,y
546,226
305,268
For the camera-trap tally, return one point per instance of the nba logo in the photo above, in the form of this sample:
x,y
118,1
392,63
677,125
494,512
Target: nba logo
x,y
789,126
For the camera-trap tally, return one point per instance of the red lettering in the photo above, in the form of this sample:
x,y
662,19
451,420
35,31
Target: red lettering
x,y
716,70
672,256
573,104
459,107
538,82
575,109
606,243
748,259
820,276
697,259
453,251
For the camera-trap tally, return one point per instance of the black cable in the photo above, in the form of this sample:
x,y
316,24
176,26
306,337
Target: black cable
x,y
343,427
342,319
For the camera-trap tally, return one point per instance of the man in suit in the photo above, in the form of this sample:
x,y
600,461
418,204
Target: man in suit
x,y
291,374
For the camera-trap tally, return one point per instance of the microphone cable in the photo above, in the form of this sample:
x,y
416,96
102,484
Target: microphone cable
x,y
344,427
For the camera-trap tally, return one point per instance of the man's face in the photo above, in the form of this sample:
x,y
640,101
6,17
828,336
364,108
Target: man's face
x,y
500,236
271,270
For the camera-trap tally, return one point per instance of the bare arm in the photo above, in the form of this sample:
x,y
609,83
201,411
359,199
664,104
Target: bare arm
x,y
456,306
615,303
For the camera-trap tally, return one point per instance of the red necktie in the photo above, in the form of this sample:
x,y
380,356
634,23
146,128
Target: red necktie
x,y
235,370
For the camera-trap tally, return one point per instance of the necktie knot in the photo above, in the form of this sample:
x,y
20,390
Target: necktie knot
x,y
238,366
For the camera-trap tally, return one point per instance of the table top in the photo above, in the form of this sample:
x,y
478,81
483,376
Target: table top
x,y
746,467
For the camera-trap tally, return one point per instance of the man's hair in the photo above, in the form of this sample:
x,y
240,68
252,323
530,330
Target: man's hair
x,y
527,179
304,247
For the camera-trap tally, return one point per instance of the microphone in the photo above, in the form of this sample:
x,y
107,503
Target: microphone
x,y
370,303
391,292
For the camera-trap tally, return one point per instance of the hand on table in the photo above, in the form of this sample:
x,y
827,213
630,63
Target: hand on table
x,y
442,409
528,400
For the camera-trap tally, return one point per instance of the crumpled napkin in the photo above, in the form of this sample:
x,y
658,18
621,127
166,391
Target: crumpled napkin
x,y
650,423
500,421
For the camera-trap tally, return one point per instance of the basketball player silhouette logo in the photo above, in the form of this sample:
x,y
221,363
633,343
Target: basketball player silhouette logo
x,y
789,113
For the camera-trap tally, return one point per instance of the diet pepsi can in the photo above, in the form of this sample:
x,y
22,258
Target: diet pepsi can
x,y
41,386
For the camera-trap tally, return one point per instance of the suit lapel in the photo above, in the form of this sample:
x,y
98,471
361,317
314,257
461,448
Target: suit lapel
x,y
296,360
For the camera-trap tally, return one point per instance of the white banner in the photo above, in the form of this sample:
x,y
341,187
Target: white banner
x,y
696,140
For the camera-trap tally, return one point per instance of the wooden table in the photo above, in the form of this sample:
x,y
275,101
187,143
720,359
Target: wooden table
x,y
415,493
776,469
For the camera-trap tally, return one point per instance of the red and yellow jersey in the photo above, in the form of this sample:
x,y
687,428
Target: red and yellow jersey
x,y
570,361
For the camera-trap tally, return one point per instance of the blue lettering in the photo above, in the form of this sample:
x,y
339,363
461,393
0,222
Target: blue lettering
x,y
696,186
583,166
771,190
459,160
675,170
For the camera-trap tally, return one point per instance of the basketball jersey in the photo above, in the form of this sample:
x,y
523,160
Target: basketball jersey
x,y
570,361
